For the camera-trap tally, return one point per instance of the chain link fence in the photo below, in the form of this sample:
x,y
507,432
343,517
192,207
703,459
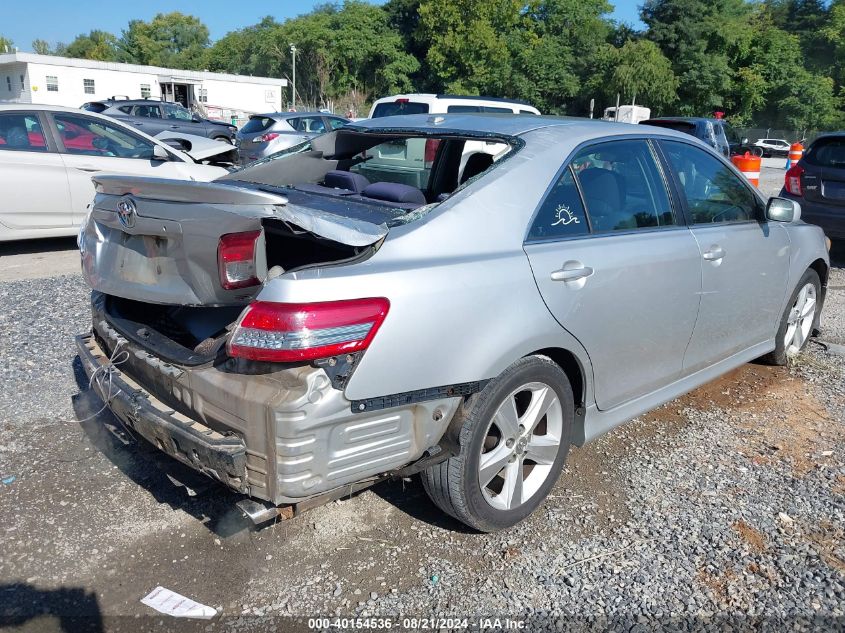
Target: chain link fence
x,y
754,134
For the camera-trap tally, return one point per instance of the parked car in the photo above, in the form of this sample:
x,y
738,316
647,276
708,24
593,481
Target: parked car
x,y
773,147
817,182
49,153
311,333
153,117
265,134
410,159
717,133
443,104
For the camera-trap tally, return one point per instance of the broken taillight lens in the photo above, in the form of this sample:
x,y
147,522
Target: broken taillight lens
x,y
792,182
290,332
236,260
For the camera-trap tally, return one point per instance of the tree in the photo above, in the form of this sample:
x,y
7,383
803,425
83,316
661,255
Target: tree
x,y
172,40
6,45
42,47
98,45
703,39
642,72
468,48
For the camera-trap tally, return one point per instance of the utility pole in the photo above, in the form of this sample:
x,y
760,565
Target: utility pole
x,y
293,95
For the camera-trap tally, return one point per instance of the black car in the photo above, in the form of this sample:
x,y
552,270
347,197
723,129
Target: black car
x,y
817,182
154,117
717,133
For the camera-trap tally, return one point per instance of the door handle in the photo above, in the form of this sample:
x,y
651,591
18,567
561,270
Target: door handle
x,y
88,168
715,253
174,127
572,274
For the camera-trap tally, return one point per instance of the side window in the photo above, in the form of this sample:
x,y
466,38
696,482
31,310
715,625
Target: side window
x,y
94,137
336,123
713,192
314,125
623,187
561,214
125,109
21,132
453,109
147,111
176,112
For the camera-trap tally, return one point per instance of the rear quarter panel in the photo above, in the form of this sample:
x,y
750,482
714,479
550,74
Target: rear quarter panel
x,y
464,303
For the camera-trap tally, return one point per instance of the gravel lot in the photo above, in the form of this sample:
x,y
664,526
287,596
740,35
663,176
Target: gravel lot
x,y
724,505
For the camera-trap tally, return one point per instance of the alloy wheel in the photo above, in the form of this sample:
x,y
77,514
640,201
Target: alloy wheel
x,y
521,446
800,320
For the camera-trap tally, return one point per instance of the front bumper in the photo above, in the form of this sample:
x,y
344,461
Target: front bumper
x,y
281,433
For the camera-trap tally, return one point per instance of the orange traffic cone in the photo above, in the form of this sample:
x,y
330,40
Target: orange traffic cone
x,y
749,166
796,151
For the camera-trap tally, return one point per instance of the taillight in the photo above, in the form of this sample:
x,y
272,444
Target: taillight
x,y
266,138
236,260
431,146
289,332
792,183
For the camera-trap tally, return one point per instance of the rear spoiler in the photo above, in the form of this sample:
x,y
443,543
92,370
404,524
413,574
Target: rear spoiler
x,y
183,191
338,228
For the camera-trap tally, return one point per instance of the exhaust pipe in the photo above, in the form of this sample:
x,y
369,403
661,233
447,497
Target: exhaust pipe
x,y
259,513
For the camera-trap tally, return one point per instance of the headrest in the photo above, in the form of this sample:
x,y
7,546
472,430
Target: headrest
x,y
394,192
337,179
476,164
603,185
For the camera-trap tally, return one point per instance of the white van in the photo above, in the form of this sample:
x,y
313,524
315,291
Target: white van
x,y
409,161
446,104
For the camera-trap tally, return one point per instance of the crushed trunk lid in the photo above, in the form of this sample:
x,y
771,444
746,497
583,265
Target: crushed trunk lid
x,y
156,240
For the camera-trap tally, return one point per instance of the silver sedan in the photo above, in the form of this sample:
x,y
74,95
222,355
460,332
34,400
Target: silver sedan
x,y
265,134
300,332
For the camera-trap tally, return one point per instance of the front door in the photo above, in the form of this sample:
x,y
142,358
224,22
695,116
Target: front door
x,y
745,260
92,145
33,180
618,268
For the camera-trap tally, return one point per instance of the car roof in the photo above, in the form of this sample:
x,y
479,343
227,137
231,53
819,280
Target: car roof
x,y
430,96
504,124
5,107
281,116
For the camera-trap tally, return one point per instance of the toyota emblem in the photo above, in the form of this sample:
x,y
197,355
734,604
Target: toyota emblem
x,y
126,212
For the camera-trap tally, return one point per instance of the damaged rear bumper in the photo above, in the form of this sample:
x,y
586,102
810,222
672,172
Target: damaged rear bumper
x,y
278,433
220,456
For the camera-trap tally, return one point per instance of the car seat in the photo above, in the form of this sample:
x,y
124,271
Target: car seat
x,y
476,164
604,195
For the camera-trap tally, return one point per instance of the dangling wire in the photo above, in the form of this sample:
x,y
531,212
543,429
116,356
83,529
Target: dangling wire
x,y
106,372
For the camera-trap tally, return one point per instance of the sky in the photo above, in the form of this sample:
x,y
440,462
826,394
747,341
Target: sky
x,y
62,20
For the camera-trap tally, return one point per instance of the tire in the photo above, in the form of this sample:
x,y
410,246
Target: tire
x,y
486,429
790,341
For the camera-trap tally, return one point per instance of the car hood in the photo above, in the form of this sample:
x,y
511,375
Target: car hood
x,y
199,148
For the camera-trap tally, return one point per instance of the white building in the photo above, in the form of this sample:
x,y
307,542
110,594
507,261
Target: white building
x,y
31,78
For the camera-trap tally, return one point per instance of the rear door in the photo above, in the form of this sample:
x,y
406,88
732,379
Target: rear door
x,y
744,258
34,191
618,268
148,118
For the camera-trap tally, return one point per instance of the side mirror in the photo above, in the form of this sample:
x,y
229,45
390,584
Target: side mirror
x,y
159,153
783,210
196,118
